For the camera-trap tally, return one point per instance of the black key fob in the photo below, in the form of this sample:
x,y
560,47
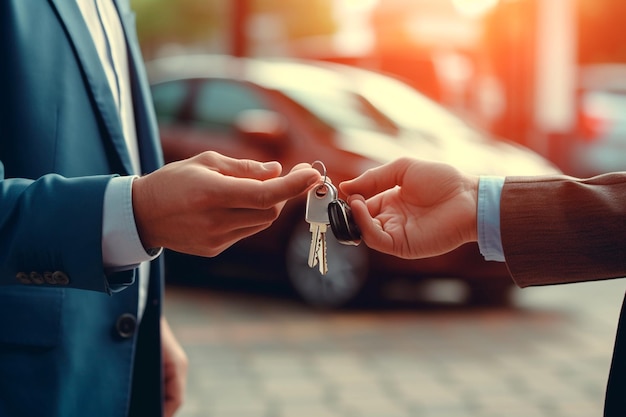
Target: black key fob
x,y
342,224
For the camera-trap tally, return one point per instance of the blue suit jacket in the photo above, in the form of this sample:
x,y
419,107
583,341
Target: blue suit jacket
x,y
62,350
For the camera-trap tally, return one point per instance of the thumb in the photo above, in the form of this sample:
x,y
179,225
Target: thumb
x,y
264,194
372,230
377,180
296,182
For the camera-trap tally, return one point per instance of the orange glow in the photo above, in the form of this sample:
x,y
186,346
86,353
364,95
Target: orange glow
x,y
474,8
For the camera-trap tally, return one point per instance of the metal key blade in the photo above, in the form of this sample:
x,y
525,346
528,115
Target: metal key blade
x,y
315,242
321,255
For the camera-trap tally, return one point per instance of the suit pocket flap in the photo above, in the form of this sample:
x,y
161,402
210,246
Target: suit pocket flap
x,y
30,316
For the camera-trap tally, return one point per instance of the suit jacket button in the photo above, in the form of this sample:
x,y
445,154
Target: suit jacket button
x,y
47,276
23,278
36,278
126,325
60,278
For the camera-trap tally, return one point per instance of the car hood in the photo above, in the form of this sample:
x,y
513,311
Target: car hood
x,y
474,155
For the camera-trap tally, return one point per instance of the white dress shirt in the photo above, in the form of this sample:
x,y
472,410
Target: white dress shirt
x,y
121,246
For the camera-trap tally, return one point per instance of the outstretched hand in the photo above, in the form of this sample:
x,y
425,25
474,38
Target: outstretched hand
x,y
414,209
203,205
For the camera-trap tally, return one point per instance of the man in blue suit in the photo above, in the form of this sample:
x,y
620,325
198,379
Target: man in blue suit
x,y
81,332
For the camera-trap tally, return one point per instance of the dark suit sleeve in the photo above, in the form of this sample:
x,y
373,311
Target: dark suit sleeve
x,y
559,229
51,232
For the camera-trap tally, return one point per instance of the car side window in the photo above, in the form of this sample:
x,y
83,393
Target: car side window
x,y
219,102
168,99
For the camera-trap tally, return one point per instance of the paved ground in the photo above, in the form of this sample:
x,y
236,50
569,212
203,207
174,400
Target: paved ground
x,y
253,355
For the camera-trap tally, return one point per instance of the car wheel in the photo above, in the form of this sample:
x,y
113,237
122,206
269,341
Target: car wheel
x,y
347,270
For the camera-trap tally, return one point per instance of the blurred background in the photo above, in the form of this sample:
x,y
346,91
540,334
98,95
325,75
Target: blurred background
x,y
516,67
503,87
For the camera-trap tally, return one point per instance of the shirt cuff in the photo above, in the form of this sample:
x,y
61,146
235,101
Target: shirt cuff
x,y
489,238
121,246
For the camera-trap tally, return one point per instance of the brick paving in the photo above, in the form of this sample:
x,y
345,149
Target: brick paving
x,y
254,355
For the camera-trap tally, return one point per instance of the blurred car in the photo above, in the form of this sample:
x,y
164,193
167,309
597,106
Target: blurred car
x,y
598,143
351,120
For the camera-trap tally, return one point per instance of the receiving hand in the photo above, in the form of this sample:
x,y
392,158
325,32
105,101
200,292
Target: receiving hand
x,y
203,205
414,209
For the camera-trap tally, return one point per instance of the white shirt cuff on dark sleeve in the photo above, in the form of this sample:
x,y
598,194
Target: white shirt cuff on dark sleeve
x,y
121,245
489,239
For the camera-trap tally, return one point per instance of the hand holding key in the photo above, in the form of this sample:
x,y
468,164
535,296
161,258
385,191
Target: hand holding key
x,y
414,209
204,204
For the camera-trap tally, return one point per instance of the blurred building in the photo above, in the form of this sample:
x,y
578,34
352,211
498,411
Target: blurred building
x,y
431,44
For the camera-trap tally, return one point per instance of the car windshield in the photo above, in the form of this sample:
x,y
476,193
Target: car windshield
x,y
402,104
374,102
341,109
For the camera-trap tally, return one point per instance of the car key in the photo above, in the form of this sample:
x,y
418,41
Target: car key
x,y
342,223
316,215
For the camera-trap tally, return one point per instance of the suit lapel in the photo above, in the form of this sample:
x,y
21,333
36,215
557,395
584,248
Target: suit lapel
x,y
87,55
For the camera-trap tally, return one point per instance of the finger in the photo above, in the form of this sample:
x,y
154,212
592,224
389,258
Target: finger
x,y
230,238
170,407
289,186
376,180
238,218
302,165
172,402
268,193
240,168
372,231
175,370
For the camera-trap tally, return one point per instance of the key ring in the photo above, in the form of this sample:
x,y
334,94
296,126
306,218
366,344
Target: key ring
x,y
323,172
323,188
